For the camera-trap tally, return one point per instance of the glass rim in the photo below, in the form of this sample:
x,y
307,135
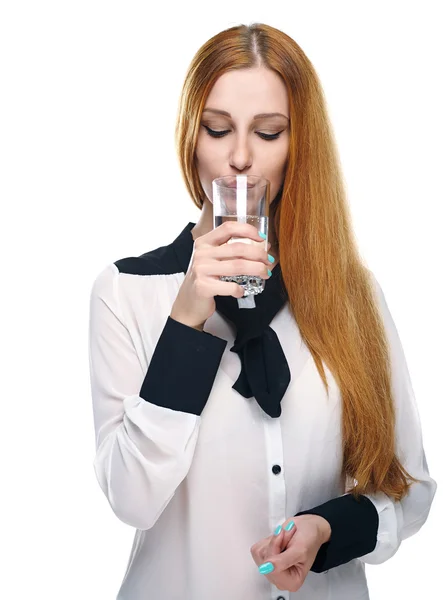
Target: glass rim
x,y
260,178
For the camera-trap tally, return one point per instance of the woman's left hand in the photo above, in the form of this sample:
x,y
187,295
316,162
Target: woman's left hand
x,y
293,552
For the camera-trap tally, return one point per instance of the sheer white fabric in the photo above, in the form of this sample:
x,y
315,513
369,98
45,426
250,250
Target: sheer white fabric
x,y
200,490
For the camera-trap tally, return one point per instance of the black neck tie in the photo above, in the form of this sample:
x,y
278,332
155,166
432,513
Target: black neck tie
x,y
265,371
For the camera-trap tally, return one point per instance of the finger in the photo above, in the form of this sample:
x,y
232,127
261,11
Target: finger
x,y
279,553
259,551
288,533
289,579
293,556
224,232
237,250
275,543
216,268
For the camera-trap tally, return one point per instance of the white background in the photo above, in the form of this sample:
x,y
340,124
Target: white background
x,y
89,93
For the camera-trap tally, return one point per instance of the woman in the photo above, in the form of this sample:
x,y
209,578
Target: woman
x,y
278,469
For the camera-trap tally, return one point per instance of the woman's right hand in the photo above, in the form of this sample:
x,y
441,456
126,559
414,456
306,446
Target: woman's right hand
x,y
213,257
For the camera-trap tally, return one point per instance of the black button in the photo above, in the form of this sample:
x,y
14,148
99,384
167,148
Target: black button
x,y
276,469
281,598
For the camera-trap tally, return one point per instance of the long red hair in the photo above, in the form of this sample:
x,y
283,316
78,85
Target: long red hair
x,y
330,293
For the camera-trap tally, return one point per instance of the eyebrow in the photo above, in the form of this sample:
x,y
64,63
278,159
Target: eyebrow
x,y
259,116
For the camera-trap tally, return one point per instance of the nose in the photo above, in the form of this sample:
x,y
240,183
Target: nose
x,y
241,155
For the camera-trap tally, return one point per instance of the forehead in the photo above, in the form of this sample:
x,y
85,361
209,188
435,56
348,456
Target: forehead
x,y
251,91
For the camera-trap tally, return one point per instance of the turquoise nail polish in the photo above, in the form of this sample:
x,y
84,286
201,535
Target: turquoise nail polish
x,y
269,273
289,526
271,258
266,568
262,235
277,530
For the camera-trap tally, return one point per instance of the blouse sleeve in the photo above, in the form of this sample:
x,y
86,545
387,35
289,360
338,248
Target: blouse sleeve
x,y
146,423
373,528
399,520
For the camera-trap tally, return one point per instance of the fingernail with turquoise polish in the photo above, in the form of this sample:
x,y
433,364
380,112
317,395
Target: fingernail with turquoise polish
x,y
290,525
262,235
266,568
269,273
277,530
271,258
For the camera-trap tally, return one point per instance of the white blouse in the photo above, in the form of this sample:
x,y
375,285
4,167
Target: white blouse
x,y
203,473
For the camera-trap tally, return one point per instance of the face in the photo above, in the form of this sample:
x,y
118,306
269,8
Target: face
x,y
238,143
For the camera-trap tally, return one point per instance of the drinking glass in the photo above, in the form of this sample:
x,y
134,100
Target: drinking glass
x,y
243,198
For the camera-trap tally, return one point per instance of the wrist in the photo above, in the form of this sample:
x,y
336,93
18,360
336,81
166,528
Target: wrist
x,y
323,526
184,321
325,529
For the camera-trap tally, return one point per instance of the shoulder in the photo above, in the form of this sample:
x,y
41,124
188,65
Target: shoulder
x,y
378,292
149,272
131,283
159,261
374,281
133,273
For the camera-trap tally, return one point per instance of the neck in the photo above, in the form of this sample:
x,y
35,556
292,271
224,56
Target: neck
x,y
205,224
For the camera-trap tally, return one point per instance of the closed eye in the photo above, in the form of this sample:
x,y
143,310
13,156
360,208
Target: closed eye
x,y
264,136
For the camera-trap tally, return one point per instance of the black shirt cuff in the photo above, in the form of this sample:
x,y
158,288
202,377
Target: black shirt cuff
x,y
354,527
183,368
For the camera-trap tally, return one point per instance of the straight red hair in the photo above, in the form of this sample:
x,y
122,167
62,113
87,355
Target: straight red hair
x,y
330,293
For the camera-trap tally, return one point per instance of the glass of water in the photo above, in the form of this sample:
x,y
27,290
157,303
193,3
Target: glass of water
x,y
245,199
